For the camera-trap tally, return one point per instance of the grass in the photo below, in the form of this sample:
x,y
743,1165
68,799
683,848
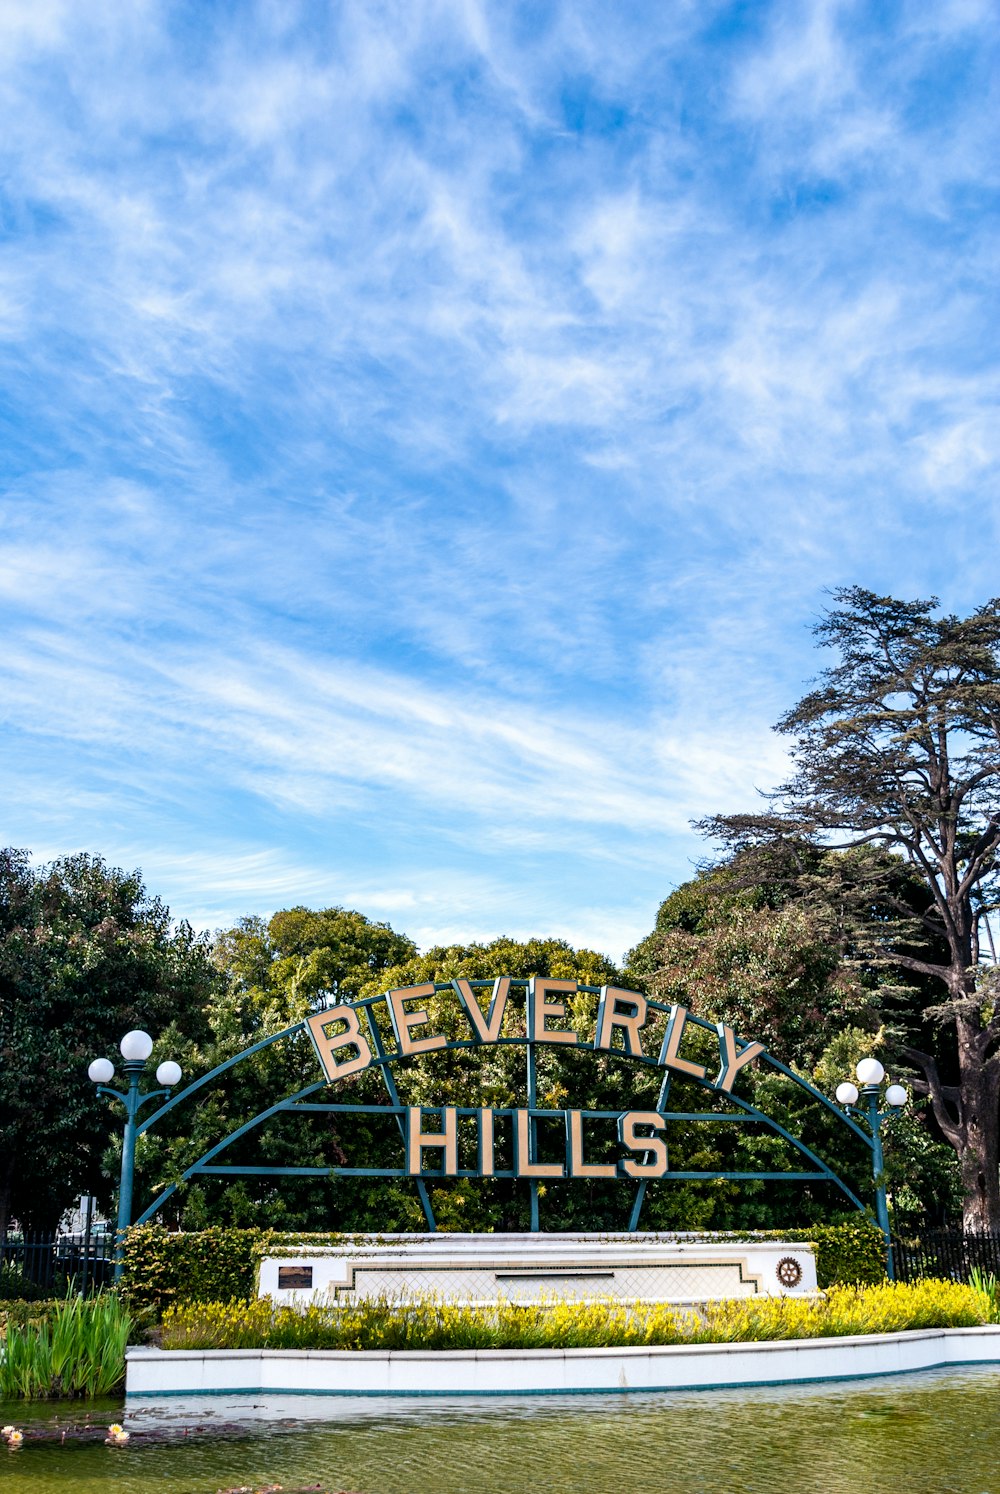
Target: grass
x,y
427,1323
76,1348
987,1288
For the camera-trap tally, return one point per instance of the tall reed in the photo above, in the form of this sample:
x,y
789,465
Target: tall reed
x,y
77,1349
987,1288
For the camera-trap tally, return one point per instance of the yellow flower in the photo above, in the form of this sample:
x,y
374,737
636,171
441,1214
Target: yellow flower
x,y
15,1438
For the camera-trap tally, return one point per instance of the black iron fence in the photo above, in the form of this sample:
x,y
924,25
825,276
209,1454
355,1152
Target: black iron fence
x,y
947,1253
52,1262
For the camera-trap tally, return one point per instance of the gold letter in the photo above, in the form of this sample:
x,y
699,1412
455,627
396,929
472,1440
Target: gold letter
x,y
612,1013
487,1165
671,1042
487,1029
655,1144
351,1037
732,1061
577,1167
402,1020
540,1007
525,1167
417,1141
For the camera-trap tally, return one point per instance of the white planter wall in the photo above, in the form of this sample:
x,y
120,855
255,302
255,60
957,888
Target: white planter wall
x,y
155,1373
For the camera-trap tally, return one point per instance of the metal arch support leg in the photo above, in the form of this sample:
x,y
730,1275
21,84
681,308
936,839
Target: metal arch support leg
x,y
532,1133
640,1192
390,1084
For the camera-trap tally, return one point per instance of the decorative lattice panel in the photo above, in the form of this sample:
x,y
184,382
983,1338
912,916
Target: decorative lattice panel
x,y
694,1282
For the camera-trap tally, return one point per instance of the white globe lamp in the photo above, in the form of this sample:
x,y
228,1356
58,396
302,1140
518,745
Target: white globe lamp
x,y
136,1046
870,1072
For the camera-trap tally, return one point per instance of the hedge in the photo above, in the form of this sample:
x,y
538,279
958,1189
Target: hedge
x,y
845,1253
215,1264
21,1313
220,1265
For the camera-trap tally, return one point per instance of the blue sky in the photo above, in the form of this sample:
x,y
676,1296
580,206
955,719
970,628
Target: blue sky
x,y
428,428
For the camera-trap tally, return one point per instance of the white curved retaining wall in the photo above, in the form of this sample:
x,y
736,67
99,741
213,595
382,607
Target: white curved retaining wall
x,y
482,1372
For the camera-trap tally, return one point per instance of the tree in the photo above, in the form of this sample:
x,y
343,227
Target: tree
x,y
769,965
272,974
898,747
85,954
789,947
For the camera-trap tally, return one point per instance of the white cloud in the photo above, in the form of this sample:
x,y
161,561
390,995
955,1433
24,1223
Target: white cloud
x,y
447,417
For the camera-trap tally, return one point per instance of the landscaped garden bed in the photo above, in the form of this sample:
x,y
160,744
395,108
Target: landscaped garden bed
x,y
381,1324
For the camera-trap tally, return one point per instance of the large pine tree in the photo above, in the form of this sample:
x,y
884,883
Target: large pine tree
x,y
898,746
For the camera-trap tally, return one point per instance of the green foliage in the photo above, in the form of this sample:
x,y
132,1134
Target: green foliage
x,y
896,746
277,973
922,1176
987,1289
15,1286
19,1312
503,956
270,976
384,1324
76,1348
212,1264
85,954
777,948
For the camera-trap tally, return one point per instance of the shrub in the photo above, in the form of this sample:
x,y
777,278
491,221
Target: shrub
x,y
16,1287
428,1323
20,1314
209,1265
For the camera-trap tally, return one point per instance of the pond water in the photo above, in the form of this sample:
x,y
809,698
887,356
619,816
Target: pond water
x,y
934,1433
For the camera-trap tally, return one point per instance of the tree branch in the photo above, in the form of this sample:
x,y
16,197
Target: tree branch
x,y
922,967
952,1127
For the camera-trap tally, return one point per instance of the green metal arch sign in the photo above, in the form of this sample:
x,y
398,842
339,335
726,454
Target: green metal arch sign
x,y
379,1033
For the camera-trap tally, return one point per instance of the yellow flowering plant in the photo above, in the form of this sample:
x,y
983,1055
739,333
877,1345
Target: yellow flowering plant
x,y
430,1323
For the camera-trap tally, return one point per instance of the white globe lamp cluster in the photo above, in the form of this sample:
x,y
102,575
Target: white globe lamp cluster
x,y
136,1046
870,1075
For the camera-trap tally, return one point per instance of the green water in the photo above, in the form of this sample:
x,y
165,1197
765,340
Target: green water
x,y
934,1433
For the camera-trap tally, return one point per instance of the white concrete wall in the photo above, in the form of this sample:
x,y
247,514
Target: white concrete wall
x,y
527,1268
158,1372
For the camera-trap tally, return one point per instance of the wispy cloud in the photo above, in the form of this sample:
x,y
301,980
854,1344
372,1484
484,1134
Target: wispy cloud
x,y
431,427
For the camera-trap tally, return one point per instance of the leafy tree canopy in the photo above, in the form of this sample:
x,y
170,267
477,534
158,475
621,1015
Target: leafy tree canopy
x,y
85,954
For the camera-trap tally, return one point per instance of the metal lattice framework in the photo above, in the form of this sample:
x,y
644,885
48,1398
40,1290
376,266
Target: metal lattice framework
x,y
362,1016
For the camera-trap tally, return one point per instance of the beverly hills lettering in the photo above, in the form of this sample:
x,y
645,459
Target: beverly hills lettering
x,y
344,1048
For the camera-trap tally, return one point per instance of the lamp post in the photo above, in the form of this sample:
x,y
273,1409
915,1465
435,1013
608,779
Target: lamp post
x,y
135,1049
870,1075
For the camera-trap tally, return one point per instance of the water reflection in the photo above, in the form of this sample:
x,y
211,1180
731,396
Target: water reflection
x,y
925,1434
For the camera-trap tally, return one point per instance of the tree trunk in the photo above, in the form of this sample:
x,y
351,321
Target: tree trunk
x,y
980,1156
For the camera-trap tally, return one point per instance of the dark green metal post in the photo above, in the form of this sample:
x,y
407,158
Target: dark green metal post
x,y
133,1069
870,1092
